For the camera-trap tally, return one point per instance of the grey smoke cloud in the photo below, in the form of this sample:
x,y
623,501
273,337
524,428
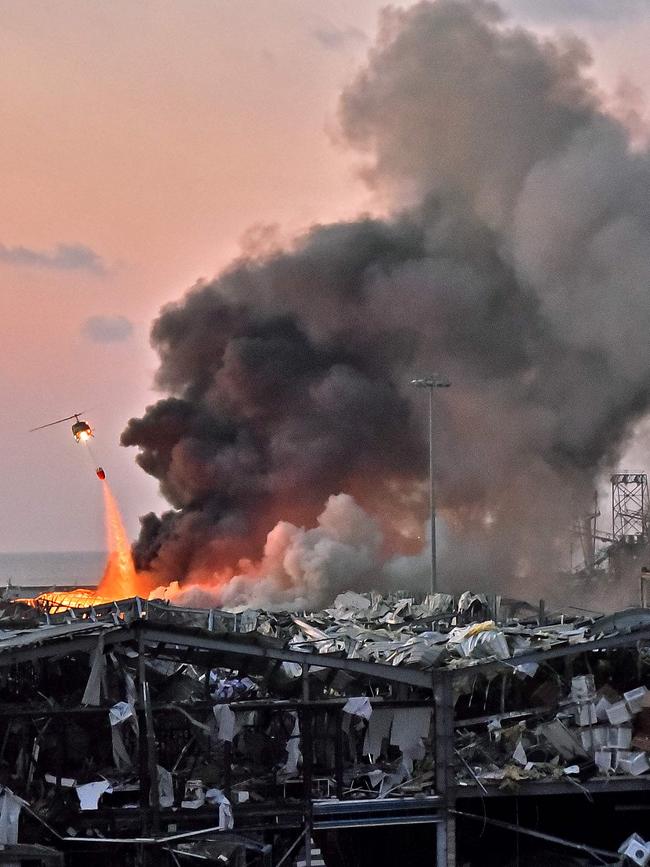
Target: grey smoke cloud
x,y
552,11
107,329
515,261
335,38
472,112
299,567
64,257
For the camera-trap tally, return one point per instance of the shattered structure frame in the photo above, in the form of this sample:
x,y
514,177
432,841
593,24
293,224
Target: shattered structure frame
x,y
198,731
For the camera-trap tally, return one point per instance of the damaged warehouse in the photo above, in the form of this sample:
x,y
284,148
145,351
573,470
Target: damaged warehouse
x,y
241,685
144,733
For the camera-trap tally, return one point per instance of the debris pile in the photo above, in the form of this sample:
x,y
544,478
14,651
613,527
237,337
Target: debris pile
x,y
138,719
586,733
546,723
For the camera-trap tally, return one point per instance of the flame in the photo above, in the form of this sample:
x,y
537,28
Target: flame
x,y
120,579
58,601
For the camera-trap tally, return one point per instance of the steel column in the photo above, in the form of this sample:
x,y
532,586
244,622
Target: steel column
x,y
444,763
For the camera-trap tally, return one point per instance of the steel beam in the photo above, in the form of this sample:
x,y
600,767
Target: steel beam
x,y
539,788
63,645
562,650
380,671
378,822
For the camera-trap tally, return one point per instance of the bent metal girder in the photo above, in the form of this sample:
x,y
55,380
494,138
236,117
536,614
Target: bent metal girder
x,y
82,637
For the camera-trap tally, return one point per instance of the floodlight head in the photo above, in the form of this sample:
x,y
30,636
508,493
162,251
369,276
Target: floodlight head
x,y
434,381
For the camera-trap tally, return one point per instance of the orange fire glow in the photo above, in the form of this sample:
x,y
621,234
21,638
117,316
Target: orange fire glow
x,y
58,601
120,579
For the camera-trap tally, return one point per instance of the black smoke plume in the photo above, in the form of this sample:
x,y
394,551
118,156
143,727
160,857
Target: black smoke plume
x,y
515,260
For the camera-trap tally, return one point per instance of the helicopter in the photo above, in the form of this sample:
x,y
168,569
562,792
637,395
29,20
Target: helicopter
x,y
81,430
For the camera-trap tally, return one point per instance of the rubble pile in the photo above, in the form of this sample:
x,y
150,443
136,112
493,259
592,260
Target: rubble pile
x,y
140,718
547,724
583,734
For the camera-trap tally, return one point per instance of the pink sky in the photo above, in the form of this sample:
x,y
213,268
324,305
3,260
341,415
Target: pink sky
x,y
156,134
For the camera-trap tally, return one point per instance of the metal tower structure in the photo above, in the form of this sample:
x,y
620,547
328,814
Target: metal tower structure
x,y
630,508
586,530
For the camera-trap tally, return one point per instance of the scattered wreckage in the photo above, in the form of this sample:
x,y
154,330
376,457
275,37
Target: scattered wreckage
x,y
147,733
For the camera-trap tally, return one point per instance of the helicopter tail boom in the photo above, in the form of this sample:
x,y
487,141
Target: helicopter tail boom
x,y
58,421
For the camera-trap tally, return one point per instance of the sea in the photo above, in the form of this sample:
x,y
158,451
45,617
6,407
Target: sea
x,y
39,568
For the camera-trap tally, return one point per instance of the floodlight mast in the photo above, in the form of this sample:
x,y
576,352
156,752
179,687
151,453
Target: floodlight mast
x,y
431,382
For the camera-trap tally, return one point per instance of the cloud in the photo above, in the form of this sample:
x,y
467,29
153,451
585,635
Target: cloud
x,y
553,11
107,329
64,257
335,38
